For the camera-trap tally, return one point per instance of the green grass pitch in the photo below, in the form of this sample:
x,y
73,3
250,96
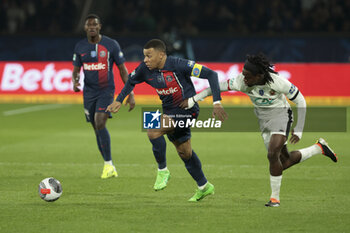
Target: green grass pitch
x,y
315,195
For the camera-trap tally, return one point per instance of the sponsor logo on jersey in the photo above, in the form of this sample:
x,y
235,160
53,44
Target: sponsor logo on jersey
x,y
167,91
93,53
263,101
102,53
196,71
94,66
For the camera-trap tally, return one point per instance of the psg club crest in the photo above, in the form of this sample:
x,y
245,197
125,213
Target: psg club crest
x,y
196,71
93,53
261,92
102,53
151,120
169,78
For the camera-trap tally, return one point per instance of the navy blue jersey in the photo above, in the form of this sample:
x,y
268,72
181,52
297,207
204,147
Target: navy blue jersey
x,y
172,83
97,62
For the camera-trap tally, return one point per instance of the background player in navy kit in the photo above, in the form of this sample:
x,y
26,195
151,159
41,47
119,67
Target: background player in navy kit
x,y
96,54
170,76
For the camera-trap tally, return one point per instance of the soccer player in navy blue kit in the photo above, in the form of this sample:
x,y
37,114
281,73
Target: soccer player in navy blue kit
x,y
171,77
97,54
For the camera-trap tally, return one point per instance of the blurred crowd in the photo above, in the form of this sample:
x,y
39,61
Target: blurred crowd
x,y
194,17
32,16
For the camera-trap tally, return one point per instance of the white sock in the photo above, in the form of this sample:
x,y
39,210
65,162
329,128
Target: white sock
x,y
109,162
275,182
202,186
308,152
163,169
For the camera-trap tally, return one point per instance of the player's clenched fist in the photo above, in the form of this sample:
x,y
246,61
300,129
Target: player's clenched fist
x,y
114,107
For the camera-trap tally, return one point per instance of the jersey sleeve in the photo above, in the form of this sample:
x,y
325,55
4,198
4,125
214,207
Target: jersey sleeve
x,y
236,83
117,53
135,77
192,69
282,85
200,71
76,57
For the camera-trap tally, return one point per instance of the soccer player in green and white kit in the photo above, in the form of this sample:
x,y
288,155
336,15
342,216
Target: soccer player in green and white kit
x,y
268,91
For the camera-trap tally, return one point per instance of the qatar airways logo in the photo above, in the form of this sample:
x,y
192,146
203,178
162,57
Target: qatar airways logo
x,y
94,66
167,91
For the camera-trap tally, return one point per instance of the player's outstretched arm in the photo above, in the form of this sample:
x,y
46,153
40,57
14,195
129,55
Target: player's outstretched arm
x,y
114,107
190,102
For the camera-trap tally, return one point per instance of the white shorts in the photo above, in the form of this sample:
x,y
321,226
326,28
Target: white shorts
x,y
278,124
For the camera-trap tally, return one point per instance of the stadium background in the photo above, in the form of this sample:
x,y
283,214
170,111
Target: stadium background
x,y
43,131
308,40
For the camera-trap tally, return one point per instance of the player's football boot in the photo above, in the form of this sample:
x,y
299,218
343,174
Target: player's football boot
x,y
273,203
162,180
109,171
200,194
326,150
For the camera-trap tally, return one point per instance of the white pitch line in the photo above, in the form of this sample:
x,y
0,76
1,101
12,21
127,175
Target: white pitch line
x,y
34,109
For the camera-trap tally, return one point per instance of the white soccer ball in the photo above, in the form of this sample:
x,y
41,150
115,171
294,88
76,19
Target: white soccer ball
x,y
50,189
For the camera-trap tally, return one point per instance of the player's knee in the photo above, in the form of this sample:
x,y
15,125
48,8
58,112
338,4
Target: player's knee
x,y
153,134
273,156
185,154
100,125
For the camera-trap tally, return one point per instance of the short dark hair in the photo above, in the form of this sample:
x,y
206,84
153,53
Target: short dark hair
x,y
263,64
156,44
93,16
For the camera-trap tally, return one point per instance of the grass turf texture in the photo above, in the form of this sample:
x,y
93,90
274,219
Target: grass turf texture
x,y
59,143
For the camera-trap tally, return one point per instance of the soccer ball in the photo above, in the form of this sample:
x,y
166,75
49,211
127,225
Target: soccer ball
x,y
50,189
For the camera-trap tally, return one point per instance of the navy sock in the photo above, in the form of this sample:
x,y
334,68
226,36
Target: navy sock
x,y
194,167
105,143
98,143
159,151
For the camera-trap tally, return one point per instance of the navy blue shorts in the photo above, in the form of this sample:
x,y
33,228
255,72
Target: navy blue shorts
x,y
178,114
97,103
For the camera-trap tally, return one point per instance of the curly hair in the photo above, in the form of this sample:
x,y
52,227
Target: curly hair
x,y
263,64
